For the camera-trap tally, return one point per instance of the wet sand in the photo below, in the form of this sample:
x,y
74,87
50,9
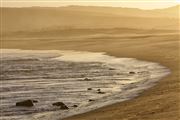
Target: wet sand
x,y
160,102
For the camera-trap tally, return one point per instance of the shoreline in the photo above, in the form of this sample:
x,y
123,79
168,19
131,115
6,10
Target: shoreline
x,y
102,110
120,105
121,102
161,102
142,85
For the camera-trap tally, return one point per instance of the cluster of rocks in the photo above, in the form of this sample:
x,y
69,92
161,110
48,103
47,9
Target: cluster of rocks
x,y
98,91
30,103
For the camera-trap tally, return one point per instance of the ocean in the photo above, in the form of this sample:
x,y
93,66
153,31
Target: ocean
x,y
72,77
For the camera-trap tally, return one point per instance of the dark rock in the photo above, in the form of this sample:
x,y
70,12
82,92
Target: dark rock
x,y
89,89
25,103
100,92
87,79
90,100
111,69
34,101
131,72
75,105
61,105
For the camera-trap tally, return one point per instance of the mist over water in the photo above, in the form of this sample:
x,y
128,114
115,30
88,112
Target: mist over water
x,y
65,76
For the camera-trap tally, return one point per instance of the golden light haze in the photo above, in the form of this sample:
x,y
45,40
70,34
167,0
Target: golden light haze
x,y
142,4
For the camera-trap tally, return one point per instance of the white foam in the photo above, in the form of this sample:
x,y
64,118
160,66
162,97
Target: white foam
x,y
147,74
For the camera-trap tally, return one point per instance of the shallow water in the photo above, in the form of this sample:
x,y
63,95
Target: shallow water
x,y
52,76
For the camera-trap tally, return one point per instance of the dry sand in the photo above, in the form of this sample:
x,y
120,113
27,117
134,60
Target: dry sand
x,y
158,103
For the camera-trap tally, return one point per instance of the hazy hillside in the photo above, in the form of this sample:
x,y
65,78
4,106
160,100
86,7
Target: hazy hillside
x,y
171,12
37,18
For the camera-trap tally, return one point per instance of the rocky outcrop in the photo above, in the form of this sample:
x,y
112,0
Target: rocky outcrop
x,y
61,105
25,103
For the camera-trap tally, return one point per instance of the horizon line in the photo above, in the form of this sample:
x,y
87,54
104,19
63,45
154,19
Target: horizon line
x,y
139,4
84,6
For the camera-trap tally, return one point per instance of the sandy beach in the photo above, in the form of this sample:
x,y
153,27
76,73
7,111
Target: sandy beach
x,y
160,102
147,35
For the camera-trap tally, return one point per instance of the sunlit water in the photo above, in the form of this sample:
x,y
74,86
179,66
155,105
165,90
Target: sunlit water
x,y
59,76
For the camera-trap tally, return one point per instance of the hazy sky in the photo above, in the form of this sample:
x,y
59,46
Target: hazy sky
x,y
143,4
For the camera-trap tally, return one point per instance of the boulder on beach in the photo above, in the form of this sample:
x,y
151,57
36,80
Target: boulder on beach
x,y
89,89
61,105
131,72
100,92
112,69
87,79
90,100
75,106
25,103
35,101
98,89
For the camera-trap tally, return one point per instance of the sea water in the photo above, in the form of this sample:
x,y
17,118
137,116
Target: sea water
x,y
64,76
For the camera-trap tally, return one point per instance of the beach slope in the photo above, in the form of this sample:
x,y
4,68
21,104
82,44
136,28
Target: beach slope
x,y
158,103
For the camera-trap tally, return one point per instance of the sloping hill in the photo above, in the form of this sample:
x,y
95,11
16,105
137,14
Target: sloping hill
x,y
37,18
